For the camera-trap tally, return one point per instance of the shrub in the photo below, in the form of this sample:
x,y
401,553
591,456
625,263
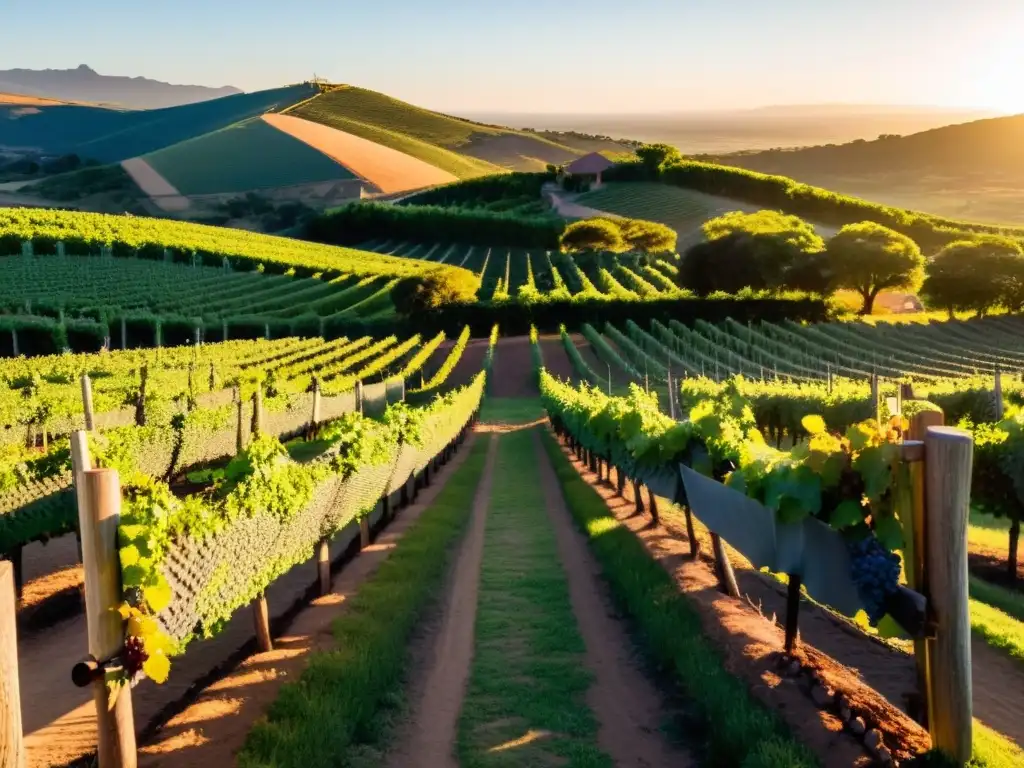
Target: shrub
x,y
593,235
648,236
435,290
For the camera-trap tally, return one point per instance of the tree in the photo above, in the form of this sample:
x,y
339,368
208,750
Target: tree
x,y
435,289
869,258
593,235
648,236
766,250
654,156
976,275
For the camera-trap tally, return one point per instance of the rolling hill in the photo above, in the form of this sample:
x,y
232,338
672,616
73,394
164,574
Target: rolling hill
x,y
971,170
85,84
422,133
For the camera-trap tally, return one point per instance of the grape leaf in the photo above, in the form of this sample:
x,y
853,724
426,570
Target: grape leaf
x,y
815,425
157,668
889,532
158,596
846,515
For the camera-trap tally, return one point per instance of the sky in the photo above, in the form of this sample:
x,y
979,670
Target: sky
x,y
560,56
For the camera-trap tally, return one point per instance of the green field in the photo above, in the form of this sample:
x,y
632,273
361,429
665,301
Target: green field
x,y
682,209
111,135
247,156
475,149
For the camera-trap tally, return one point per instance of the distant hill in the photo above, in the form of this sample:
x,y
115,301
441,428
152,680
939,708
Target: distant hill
x,y
85,84
433,136
970,170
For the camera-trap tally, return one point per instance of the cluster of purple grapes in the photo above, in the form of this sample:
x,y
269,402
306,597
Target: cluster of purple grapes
x,y
134,656
875,572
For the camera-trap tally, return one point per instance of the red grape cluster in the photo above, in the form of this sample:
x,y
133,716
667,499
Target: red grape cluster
x,y
134,656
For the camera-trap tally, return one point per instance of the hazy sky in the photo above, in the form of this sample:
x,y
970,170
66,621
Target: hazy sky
x,y
549,55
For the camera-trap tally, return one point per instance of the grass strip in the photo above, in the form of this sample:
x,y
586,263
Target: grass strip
x,y
511,411
526,699
1009,601
740,731
990,621
334,707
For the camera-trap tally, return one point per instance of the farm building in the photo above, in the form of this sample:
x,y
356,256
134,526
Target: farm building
x,y
589,167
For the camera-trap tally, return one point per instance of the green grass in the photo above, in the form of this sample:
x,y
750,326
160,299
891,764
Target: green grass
x,y
246,156
338,704
739,731
998,629
461,147
1009,601
528,675
988,531
511,411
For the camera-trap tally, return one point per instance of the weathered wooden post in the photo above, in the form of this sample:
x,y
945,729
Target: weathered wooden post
x,y
98,520
239,420
998,394
261,623
87,402
691,534
359,396
364,531
14,341
314,420
875,402
323,565
948,457
257,410
12,745
140,404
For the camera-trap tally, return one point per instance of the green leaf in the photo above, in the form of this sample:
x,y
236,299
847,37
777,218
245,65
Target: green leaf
x,y
847,514
814,425
133,576
889,532
888,627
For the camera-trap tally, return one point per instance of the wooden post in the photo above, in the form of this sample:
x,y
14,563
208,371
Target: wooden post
x,y
12,747
691,534
948,456
261,622
315,419
364,532
87,402
213,377
726,576
653,504
14,341
637,498
240,421
998,395
909,501
140,404
124,333
323,564
792,612
875,404
359,396
98,520
257,410
80,464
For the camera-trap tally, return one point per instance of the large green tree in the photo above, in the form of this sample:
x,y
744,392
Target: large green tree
x,y
763,250
976,275
869,258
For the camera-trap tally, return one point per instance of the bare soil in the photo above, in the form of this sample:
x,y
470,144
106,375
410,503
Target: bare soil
x,y
513,368
387,169
556,359
437,688
628,706
992,564
751,645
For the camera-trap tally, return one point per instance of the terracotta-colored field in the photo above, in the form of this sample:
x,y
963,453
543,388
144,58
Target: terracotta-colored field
x,y
29,101
156,186
386,168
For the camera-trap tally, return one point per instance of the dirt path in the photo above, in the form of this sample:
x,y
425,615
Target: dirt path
x,y
564,205
513,368
627,704
556,359
428,738
160,190
997,685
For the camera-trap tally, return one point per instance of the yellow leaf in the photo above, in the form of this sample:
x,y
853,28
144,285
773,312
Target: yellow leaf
x,y
142,626
157,668
158,596
125,610
158,642
814,425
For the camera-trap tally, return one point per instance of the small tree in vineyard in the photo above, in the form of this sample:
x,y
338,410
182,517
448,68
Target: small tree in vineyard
x,y
592,235
976,275
869,258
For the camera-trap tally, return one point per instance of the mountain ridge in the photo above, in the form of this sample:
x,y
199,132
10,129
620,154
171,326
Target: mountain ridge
x,y
86,84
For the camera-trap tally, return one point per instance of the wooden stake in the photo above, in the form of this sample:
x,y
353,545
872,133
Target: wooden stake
x,y
140,405
315,419
792,612
261,622
638,499
98,521
948,456
999,395
364,532
87,402
726,577
323,564
240,421
257,411
80,464
875,404
12,746
653,504
691,534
